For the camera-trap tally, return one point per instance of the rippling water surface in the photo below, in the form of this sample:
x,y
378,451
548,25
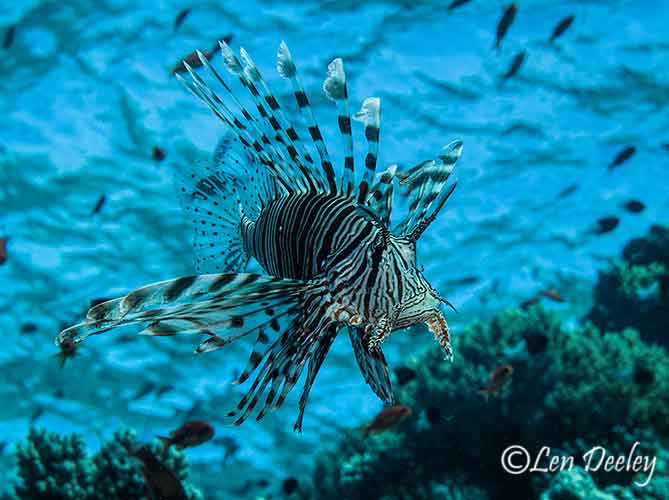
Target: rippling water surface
x,y
86,93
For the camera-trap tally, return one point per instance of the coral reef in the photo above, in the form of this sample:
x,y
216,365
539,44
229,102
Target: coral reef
x,y
570,390
635,292
51,466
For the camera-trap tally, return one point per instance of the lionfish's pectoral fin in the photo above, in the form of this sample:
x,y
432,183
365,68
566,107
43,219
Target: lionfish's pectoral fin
x,y
209,304
426,183
372,364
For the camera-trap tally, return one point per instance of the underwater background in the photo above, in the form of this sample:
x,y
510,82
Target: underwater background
x,y
554,248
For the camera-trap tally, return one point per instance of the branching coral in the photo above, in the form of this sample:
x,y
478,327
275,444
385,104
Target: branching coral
x,y
51,466
568,388
636,291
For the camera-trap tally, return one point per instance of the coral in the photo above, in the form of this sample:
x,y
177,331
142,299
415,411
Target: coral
x,y
576,388
636,291
51,466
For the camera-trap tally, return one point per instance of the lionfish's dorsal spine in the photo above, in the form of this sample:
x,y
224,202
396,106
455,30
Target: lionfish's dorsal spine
x,y
381,195
334,87
249,75
203,92
370,116
426,182
287,69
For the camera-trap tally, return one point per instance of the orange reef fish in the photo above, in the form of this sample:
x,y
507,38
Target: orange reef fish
x,y
331,260
553,295
498,378
194,60
161,481
68,349
190,434
387,418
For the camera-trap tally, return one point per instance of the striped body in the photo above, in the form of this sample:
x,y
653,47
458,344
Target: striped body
x,y
331,259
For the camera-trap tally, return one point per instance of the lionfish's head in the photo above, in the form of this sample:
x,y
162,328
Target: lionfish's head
x,y
419,302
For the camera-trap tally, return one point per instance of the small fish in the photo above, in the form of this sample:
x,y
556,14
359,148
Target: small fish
x,y
457,3
622,157
498,378
36,414
404,375
665,146
634,206
606,225
525,304
561,27
387,418
158,154
536,343
190,434
161,481
505,23
181,17
567,191
99,204
3,250
28,328
515,65
9,37
289,486
68,349
144,391
552,294
193,60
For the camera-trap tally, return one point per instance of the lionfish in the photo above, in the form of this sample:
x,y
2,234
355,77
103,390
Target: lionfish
x,y
324,240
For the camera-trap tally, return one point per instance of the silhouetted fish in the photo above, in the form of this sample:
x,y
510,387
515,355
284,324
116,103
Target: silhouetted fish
x,y
9,37
181,16
515,65
158,154
561,27
3,250
289,486
68,349
665,146
99,204
193,59
525,304
634,206
505,23
404,375
567,191
622,157
28,328
161,481
457,3
190,434
606,224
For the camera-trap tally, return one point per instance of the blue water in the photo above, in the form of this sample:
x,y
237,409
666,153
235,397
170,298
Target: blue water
x,y
86,93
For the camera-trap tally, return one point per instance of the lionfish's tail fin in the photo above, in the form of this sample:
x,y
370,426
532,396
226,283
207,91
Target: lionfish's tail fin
x,y
210,304
373,365
370,116
334,87
381,195
287,69
305,338
426,183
